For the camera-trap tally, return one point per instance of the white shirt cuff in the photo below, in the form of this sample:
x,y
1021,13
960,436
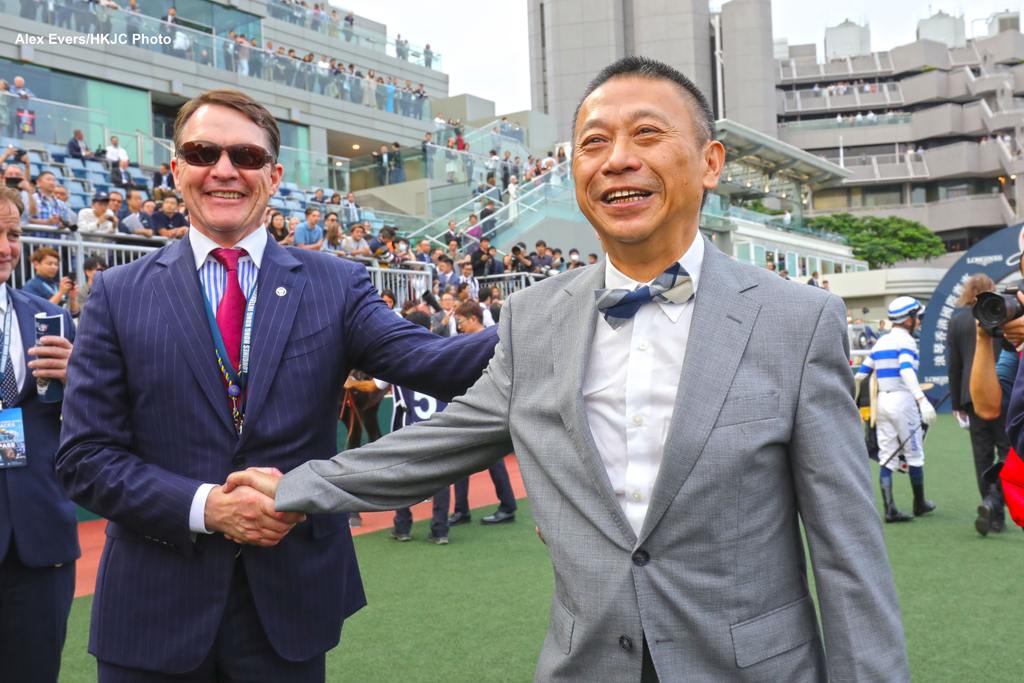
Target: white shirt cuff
x,y
197,513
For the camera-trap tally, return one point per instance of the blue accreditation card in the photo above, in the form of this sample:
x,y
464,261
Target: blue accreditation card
x,y
12,439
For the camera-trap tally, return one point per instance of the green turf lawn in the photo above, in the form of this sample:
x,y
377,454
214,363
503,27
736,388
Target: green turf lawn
x,y
476,610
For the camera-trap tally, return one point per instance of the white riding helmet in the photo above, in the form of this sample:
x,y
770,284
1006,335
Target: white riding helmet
x,y
903,307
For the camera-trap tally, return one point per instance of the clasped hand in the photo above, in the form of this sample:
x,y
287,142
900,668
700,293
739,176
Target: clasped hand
x,y
243,508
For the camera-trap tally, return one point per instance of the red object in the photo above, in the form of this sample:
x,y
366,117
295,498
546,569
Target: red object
x,y
1012,475
231,310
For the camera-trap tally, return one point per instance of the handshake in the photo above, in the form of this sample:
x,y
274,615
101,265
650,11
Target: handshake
x,y
243,508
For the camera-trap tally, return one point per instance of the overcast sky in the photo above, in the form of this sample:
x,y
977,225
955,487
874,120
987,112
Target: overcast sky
x,y
485,45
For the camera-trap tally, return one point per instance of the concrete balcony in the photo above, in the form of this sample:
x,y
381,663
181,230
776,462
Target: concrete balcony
x,y
875,65
880,97
975,211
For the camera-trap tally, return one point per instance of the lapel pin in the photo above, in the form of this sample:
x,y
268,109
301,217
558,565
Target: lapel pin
x,y
280,291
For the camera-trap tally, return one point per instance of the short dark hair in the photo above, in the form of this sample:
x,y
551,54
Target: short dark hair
x,y
418,318
645,67
93,263
311,209
45,173
470,309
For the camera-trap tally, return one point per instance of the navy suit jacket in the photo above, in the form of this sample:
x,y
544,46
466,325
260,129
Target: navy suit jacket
x,y
75,149
34,510
146,421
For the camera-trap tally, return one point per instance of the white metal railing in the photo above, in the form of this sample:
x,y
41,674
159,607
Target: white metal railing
x,y
405,284
507,282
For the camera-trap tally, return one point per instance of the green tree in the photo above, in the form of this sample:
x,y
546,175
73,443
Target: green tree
x,y
882,241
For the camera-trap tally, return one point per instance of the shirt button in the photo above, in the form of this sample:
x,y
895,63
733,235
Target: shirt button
x,y
638,420
642,346
626,643
641,558
636,496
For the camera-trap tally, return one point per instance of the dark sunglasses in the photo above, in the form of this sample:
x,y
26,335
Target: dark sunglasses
x,y
249,157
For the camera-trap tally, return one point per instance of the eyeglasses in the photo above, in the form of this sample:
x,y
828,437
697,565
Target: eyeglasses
x,y
248,157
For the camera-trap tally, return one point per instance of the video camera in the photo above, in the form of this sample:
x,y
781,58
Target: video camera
x,y
992,310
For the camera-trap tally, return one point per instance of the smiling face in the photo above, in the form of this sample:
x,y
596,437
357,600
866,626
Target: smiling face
x,y
225,203
641,167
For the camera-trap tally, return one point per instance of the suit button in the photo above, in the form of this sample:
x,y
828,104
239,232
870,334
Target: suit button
x,y
238,462
626,643
641,558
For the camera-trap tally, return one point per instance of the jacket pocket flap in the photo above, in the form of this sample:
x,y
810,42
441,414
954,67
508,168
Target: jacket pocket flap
x,y
749,408
774,632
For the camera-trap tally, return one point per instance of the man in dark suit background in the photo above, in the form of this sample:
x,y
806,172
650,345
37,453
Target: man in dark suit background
x,y
77,147
989,442
163,405
163,182
38,533
121,177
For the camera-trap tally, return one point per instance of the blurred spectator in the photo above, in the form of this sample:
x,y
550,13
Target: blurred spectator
x,y
98,218
453,234
115,152
356,244
91,266
473,232
333,237
398,171
134,220
496,261
278,227
401,250
20,89
443,322
168,222
381,246
69,217
574,260
591,259
349,26
335,199
49,210
163,182
309,234
446,275
46,284
518,261
485,217
318,196
428,56
466,278
16,172
77,147
423,252
385,161
350,211
120,176
557,263
481,260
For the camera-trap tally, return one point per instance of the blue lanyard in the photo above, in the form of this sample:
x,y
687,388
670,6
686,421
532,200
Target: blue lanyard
x,y
235,380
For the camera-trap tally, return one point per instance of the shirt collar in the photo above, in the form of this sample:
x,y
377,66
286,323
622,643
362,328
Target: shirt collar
x,y
4,298
691,261
254,243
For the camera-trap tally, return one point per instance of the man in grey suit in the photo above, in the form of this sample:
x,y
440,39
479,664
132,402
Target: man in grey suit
x,y
676,416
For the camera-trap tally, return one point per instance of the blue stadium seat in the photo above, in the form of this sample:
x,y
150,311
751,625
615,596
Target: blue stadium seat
x,y
35,157
277,202
96,166
35,170
76,202
55,170
293,206
75,186
290,186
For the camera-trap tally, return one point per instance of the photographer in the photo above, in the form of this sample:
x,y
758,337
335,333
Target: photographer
x,y
992,382
518,261
989,442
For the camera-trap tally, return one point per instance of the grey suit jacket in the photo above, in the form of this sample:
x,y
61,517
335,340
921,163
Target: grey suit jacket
x,y
764,434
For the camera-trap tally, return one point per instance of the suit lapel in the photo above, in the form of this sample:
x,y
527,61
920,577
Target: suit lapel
x,y
719,331
580,306
178,284
275,314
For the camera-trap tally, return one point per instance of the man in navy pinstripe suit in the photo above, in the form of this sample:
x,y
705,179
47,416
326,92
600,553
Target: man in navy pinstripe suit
x,y
221,352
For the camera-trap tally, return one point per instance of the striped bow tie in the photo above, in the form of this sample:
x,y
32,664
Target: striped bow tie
x,y
620,305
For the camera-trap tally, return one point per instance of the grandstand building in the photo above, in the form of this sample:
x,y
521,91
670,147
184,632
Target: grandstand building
x,y
340,92
931,131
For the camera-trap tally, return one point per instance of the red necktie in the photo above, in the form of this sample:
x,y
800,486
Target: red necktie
x,y
231,310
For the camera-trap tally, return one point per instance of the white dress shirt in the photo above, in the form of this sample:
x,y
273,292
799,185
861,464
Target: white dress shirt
x,y
115,154
208,268
17,350
630,385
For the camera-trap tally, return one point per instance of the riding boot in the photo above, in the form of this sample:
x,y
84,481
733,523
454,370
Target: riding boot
x,y
891,513
993,504
921,506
